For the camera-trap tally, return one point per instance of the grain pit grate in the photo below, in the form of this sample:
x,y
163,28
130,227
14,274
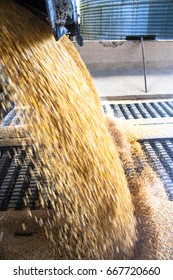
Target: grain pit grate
x,y
140,110
159,154
137,110
6,105
18,176
18,180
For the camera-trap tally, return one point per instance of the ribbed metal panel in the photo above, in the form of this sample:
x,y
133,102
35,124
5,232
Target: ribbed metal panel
x,y
114,20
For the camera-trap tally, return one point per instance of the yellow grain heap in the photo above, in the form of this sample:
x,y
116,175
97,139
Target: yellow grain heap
x,y
153,209
94,211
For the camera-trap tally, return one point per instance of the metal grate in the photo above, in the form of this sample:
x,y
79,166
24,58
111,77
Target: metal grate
x,y
5,103
14,117
144,110
17,177
160,156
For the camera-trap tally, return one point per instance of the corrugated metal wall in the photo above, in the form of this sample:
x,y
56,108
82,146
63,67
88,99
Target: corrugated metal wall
x,y
114,20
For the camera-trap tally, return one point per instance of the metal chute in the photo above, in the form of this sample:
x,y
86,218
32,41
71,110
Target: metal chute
x,y
62,15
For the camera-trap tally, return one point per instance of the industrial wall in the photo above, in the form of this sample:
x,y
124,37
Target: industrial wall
x,y
126,54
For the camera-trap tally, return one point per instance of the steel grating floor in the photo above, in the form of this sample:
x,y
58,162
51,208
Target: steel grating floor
x,y
18,177
160,156
137,110
4,99
140,110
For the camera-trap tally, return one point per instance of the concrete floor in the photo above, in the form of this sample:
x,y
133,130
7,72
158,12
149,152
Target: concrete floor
x,y
129,84
117,68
